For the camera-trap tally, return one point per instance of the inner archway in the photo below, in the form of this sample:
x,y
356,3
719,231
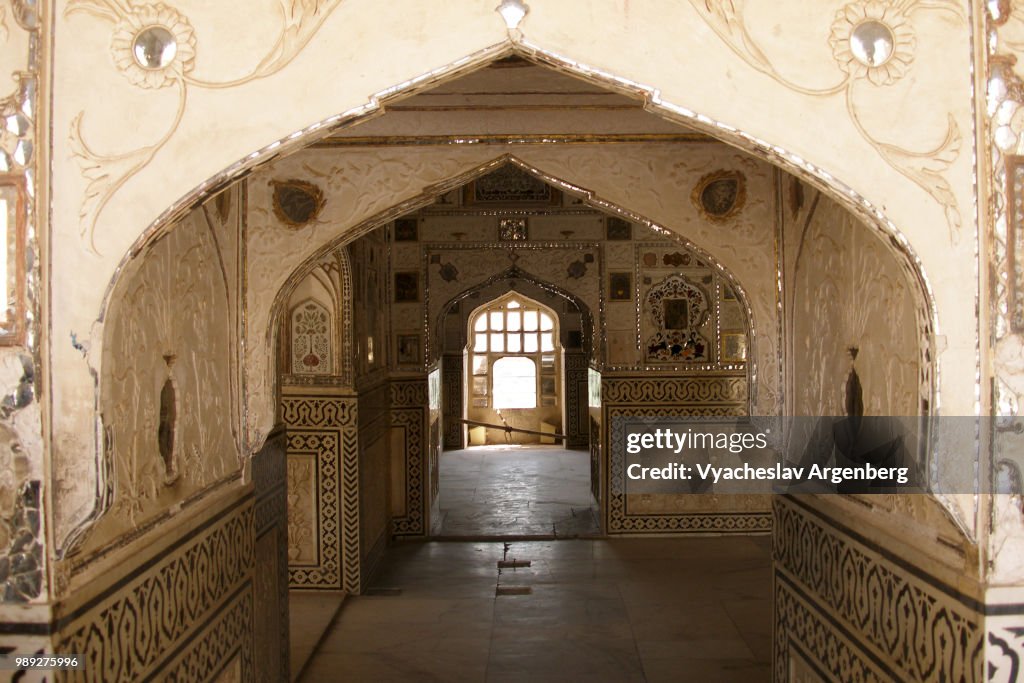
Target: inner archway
x,y
514,364
516,461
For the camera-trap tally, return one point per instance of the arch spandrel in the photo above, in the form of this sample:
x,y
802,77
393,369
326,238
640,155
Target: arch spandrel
x,y
827,137
276,254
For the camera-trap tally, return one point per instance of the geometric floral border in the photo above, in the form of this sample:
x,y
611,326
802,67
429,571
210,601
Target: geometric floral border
x,y
670,396
218,646
451,374
676,390
577,368
804,631
871,619
146,619
326,426
409,407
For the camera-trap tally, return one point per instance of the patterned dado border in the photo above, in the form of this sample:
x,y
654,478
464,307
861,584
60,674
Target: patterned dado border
x,y
409,413
577,423
670,396
855,613
729,389
270,582
451,395
326,427
181,615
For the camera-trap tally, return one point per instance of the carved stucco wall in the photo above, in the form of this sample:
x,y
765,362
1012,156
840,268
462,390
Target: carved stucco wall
x,y
760,56
173,319
855,610
458,248
203,583
847,293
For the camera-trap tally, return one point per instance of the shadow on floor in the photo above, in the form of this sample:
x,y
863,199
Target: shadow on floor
x,y
517,491
598,610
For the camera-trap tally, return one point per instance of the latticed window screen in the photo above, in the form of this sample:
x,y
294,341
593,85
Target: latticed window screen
x,y
513,355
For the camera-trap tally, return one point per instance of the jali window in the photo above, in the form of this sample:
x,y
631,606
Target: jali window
x,y
514,355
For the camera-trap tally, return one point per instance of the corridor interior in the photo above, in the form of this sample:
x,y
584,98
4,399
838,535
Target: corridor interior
x,y
375,383
464,357
520,307
652,609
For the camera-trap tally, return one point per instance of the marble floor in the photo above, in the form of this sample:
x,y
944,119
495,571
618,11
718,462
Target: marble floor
x,y
516,491
690,609
310,614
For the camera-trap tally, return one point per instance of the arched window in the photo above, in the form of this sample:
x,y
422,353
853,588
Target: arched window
x,y
513,355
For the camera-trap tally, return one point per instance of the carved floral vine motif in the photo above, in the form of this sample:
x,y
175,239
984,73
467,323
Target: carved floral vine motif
x,y
154,46
873,41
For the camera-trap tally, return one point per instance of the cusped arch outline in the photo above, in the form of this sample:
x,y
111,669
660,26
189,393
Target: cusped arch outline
x,y
589,197
845,195
516,273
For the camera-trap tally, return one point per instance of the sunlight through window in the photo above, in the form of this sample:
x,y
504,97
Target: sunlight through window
x,y
515,382
509,337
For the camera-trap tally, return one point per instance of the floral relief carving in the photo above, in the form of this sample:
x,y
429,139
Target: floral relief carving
x,y
169,321
849,293
311,339
154,46
882,20
872,41
132,25
300,509
679,308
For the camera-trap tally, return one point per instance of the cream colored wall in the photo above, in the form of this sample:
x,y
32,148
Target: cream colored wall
x,y
136,155
761,74
172,318
848,292
845,290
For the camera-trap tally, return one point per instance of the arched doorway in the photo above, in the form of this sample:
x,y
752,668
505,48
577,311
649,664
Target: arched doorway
x,y
629,392
514,363
520,377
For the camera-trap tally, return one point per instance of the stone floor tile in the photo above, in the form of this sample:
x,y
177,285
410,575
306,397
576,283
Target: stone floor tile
x,y
594,614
